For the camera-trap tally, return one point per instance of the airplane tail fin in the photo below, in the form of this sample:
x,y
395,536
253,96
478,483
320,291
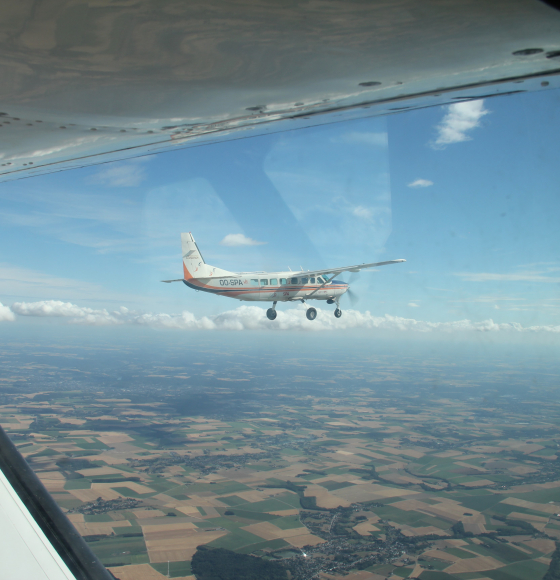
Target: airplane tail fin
x,y
194,265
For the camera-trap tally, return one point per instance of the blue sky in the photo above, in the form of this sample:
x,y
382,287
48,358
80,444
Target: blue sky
x,y
467,194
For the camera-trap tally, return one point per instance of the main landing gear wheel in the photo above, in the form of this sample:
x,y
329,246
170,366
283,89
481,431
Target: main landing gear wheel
x,y
311,314
271,313
338,313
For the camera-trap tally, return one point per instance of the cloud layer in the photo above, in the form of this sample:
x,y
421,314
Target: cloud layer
x,y
254,318
6,313
458,121
233,240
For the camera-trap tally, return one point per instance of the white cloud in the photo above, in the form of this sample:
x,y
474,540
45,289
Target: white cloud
x,y
233,240
123,174
413,305
6,314
363,138
254,318
421,183
459,119
363,212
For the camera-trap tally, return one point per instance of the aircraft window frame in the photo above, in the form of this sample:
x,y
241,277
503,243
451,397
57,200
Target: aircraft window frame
x,y
312,280
305,280
264,281
294,281
283,281
274,281
254,282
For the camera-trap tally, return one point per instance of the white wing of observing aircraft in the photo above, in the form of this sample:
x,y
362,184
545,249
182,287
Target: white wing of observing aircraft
x,y
272,287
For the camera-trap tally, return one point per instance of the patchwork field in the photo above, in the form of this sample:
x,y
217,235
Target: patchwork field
x,y
416,483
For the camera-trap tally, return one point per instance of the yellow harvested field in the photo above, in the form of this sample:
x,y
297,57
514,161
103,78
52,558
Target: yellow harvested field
x,y
474,565
176,542
475,528
71,421
441,555
369,492
446,509
86,495
50,475
421,531
325,498
282,513
112,438
478,483
364,528
305,540
94,528
188,510
531,505
268,531
528,517
522,469
141,572
54,485
197,500
542,545
75,518
99,471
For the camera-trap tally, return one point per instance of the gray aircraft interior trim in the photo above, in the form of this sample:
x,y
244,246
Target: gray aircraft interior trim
x,y
88,82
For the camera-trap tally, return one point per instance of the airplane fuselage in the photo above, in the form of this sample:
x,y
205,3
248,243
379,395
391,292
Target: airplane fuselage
x,y
270,286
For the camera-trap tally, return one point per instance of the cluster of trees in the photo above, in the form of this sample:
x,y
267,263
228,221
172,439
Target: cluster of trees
x,y
221,564
553,572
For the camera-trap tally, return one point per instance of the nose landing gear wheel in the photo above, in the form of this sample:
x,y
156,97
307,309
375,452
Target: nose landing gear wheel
x,y
271,313
311,314
338,313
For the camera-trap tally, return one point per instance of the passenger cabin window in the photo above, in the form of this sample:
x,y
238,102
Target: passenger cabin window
x,y
304,280
264,282
320,280
283,281
254,282
274,281
312,280
294,281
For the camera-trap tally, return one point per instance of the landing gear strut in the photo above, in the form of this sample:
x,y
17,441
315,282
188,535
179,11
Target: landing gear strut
x,y
311,314
338,312
271,312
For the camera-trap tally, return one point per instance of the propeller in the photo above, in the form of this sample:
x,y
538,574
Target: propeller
x,y
352,296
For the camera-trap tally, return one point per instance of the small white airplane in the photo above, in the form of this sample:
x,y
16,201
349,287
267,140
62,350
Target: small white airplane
x,y
266,286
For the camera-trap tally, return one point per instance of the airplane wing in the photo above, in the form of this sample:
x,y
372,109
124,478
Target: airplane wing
x,y
36,539
357,268
169,281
